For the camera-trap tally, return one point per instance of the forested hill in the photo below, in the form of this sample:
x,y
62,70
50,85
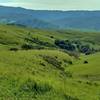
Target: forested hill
x,y
46,19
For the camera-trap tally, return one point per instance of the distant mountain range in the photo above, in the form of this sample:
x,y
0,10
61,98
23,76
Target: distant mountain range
x,y
46,19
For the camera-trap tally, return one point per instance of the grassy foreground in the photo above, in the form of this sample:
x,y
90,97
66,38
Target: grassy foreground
x,y
49,73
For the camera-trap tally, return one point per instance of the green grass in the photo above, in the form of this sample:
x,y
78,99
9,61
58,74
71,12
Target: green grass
x,y
92,69
50,73
14,36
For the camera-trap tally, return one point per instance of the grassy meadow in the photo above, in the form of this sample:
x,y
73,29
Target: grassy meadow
x,y
32,67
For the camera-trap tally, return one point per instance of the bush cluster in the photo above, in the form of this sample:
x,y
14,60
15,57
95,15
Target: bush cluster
x,y
53,61
75,46
38,41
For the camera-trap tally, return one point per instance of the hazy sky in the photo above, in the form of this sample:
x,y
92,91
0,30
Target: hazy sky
x,y
54,4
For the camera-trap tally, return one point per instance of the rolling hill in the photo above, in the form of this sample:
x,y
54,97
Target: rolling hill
x,y
44,71
15,36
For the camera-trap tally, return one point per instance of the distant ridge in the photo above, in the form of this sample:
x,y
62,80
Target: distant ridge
x,y
51,19
47,9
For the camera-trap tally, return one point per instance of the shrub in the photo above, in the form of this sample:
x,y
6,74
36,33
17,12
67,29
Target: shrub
x,y
13,49
89,83
53,61
69,62
84,48
68,74
65,44
85,62
39,42
51,37
75,46
42,64
27,46
96,84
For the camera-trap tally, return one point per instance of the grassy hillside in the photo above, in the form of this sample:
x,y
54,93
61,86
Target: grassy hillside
x,y
90,70
14,36
47,73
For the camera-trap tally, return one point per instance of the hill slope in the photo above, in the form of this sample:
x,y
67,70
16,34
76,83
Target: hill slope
x,y
14,36
48,73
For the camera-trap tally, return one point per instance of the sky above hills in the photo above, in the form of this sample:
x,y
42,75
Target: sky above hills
x,y
54,4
